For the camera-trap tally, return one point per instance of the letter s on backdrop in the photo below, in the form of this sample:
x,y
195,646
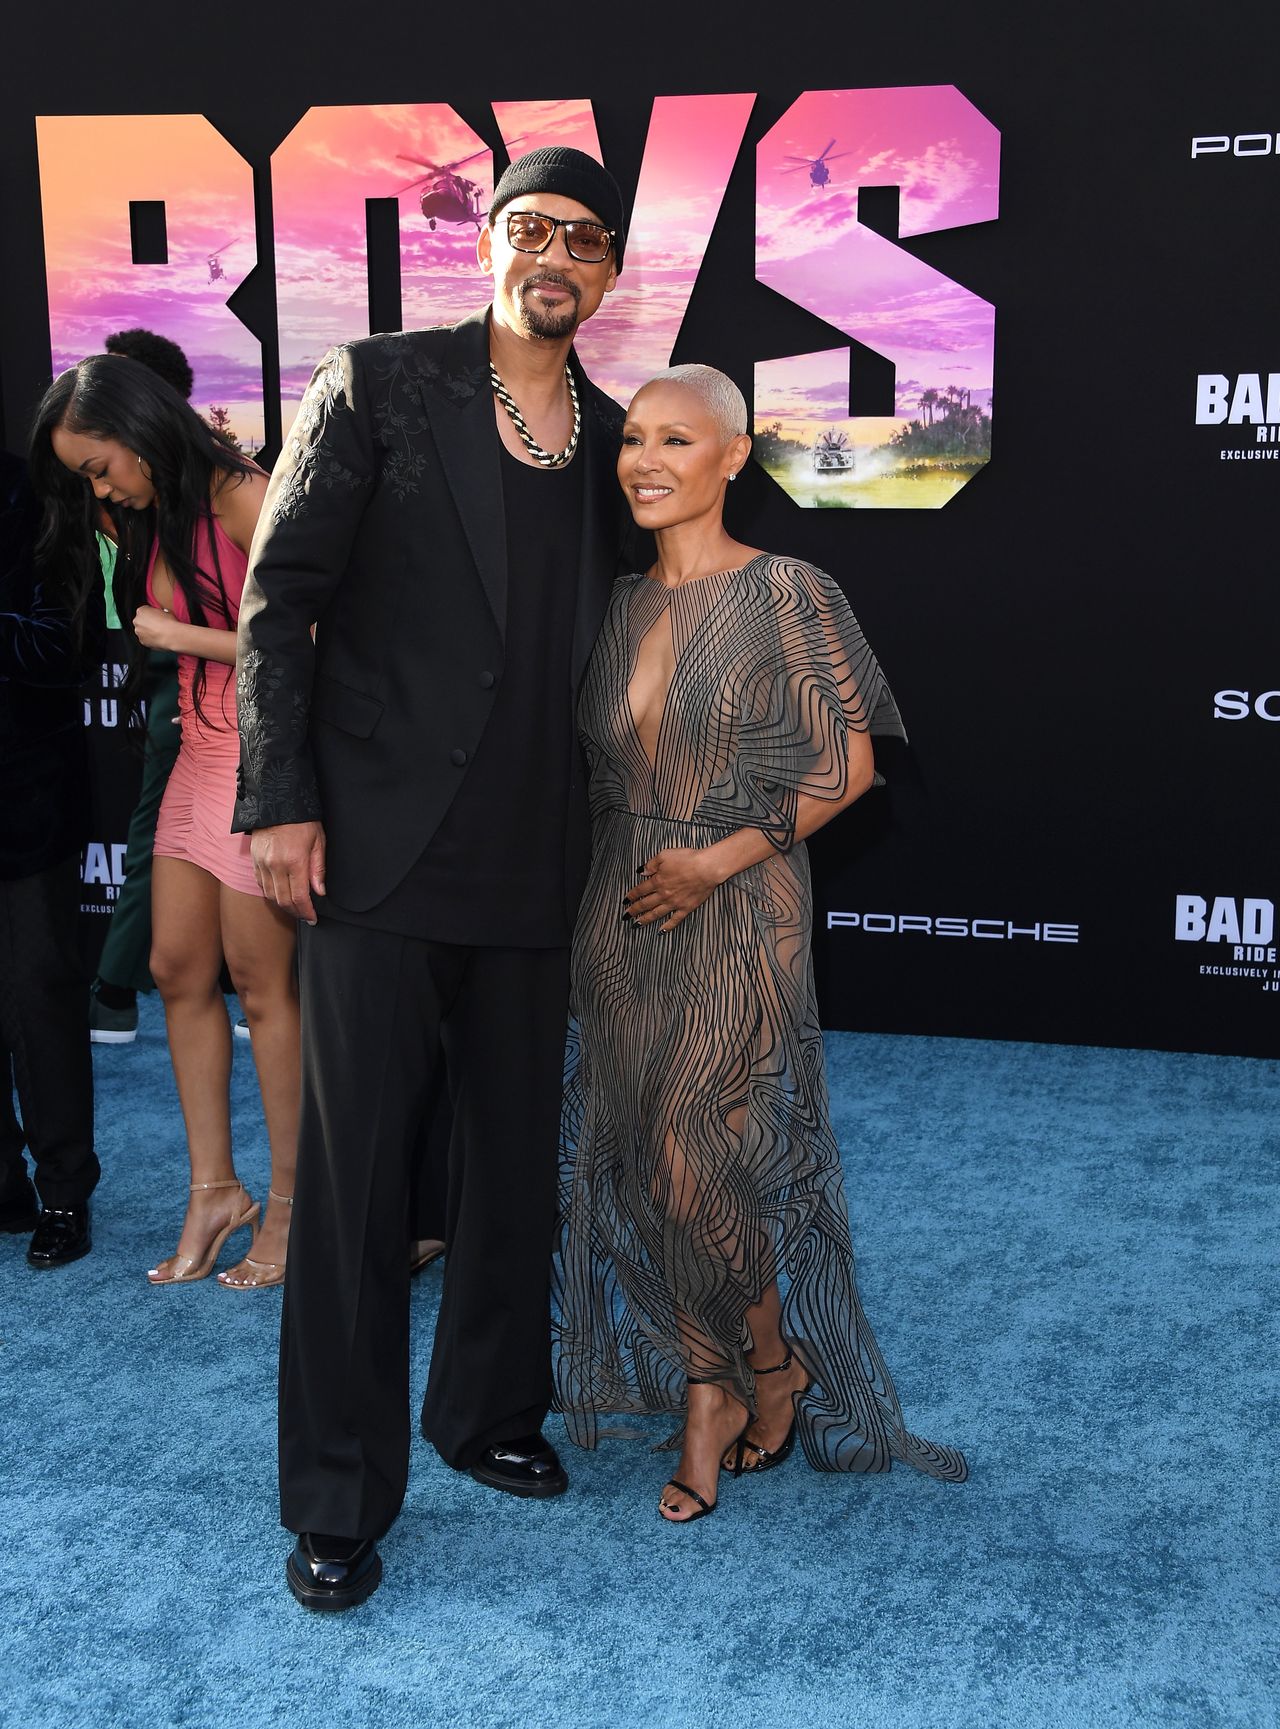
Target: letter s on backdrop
x,y
811,246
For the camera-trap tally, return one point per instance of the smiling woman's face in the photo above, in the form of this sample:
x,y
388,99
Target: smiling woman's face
x,y
674,459
116,473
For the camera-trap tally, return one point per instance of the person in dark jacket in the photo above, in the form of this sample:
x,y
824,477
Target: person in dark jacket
x,y
445,513
44,810
123,968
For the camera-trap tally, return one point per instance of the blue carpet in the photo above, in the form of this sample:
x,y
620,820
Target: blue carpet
x,y
1069,1257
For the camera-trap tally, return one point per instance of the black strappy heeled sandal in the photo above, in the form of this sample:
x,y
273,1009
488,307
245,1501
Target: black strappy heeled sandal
x,y
705,1507
766,1458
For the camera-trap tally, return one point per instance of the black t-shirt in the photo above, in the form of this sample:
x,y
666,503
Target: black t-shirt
x,y
493,874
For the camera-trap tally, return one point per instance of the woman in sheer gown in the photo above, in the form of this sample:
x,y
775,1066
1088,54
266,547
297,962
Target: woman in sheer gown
x,y
704,1265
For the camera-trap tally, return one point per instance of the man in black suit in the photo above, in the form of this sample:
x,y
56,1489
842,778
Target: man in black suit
x,y
445,512
44,812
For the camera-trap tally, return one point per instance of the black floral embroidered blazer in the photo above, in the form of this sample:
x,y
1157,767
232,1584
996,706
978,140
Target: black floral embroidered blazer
x,y
383,527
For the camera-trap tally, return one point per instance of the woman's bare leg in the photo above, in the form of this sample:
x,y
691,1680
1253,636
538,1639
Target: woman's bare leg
x,y
186,959
259,941
774,1406
714,1417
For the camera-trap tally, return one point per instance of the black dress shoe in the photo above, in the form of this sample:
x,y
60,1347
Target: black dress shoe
x,y
19,1209
61,1235
333,1572
525,1466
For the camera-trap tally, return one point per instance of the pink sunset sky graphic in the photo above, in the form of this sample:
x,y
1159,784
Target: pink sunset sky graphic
x,y
810,245
336,158
91,166
322,173
943,155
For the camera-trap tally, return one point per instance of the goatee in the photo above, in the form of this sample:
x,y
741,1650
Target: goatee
x,y
537,320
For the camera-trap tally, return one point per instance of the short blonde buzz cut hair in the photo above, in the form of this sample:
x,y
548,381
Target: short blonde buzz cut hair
x,y
716,391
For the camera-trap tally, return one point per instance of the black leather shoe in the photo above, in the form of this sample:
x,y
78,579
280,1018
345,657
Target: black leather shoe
x,y
19,1209
62,1235
333,1572
525,1466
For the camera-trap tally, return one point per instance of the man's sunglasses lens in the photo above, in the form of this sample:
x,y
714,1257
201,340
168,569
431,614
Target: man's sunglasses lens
x,y
587,241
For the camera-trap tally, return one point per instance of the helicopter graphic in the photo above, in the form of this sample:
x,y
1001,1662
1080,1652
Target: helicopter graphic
x,y
447,196
819,173
216,272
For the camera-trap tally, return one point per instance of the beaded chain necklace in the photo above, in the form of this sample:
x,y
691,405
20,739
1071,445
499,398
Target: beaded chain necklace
x,y
544,458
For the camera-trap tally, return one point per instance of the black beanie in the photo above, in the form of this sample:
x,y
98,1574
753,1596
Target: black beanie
x,y
571,174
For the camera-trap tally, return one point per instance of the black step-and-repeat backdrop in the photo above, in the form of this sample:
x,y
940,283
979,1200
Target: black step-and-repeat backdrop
x,y
1001,291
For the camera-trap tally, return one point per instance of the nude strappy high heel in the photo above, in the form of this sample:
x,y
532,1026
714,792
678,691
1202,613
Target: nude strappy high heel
x,y
274,1270
185,1269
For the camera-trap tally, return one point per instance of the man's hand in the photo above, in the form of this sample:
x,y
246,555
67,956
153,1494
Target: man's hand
x,y
288,861
675,881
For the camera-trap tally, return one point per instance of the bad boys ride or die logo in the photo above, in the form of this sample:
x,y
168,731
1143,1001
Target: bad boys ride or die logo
x,y
1246,405
1238,934
168,232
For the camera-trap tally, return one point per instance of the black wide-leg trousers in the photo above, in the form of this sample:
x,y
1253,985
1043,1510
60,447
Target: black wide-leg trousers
x,y
44,1029
380,1014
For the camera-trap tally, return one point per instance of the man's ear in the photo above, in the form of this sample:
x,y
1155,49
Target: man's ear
x,y
484,249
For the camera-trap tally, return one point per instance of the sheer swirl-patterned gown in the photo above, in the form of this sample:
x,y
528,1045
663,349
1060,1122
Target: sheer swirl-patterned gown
x,y
698,1163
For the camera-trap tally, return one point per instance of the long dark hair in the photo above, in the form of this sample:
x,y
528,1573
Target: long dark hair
x,y
111,396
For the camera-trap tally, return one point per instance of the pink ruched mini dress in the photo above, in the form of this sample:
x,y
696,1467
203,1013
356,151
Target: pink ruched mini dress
x,y
195,815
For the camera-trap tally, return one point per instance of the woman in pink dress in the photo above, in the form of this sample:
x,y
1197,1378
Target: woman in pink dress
x,y
185,505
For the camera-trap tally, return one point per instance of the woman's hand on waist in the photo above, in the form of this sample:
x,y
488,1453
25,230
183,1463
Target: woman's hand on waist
x,y
674,883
